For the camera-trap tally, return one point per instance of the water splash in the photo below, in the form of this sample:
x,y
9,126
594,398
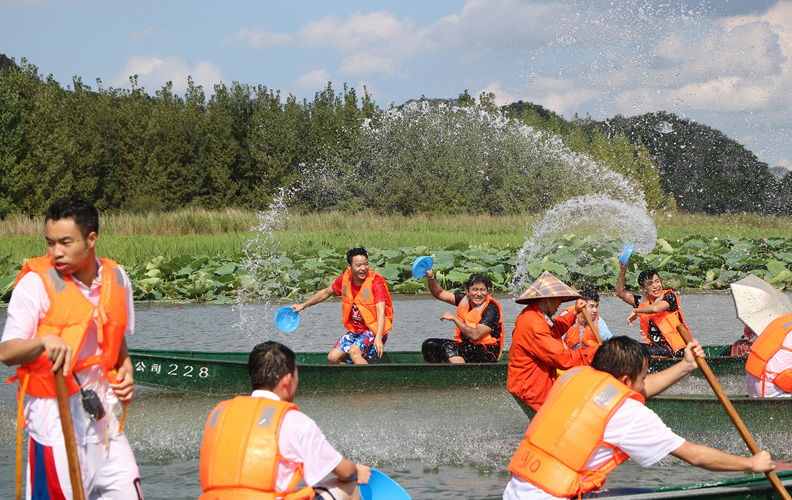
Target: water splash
x,y
599,220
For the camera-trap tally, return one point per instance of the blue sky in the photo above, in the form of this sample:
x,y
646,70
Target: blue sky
x,y
726,64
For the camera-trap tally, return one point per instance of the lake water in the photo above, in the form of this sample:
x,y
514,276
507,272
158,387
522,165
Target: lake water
x,y
449,444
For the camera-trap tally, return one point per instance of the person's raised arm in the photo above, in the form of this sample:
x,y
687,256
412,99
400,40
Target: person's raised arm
x,y
437,291
621,289
656,383
318,297
720,461
347,470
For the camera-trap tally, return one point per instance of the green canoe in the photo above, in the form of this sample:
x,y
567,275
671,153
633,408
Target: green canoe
x,y
740,488
226,372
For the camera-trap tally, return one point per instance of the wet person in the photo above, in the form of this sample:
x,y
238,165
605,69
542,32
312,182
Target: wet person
x,y
73,311
366,310
537,351
769,364
580,333
659,314
595,418
478,337
262,446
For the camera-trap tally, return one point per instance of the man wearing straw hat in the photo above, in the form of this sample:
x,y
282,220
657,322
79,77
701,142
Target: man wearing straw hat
x,y
537,350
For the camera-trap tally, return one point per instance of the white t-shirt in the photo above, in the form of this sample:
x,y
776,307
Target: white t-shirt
x,y
28,306
782,360
301,440
633,428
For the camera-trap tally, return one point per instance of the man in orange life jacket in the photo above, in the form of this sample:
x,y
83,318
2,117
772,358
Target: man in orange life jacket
x,y
769,364
595,418
660,313
261,446
366,310
479,324
537,351
580,334
72,310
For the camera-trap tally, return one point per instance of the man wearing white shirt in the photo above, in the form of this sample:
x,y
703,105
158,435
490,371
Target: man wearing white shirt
x,y
59,304
604,423
263,444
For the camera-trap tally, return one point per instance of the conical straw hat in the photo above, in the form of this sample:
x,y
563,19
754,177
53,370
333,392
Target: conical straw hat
x,y
547,286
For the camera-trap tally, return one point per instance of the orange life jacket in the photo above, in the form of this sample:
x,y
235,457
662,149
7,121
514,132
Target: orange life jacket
x,y
666,321
69,316
572,337
365,302
764,348
566,432
472,317
240,453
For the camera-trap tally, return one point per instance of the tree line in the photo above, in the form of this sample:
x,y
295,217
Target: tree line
x,y
131,151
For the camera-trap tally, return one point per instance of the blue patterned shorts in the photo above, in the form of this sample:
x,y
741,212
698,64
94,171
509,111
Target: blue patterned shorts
x,y
364,340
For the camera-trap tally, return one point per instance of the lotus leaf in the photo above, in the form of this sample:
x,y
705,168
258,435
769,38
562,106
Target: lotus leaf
x,y
227,268
663,246
775,267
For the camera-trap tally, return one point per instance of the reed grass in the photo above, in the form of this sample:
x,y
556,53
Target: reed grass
x,y
136,239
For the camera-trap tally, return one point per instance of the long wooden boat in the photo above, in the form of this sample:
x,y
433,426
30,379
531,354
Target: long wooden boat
x,y
755,487
213,372
703,415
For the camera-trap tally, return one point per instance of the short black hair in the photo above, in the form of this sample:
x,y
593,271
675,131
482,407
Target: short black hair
x,y
589,294
356,251
646,274
268,363
621,356
478,278
77,208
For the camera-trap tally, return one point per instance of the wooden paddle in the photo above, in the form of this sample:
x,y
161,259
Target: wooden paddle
x,y
590,324
727,405
68,436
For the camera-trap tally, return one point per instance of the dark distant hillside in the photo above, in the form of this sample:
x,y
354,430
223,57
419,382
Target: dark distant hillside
x,y
5,62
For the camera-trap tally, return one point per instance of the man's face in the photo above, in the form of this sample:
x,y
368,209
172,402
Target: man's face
x,y
67,246
553,304
477,294
359,267
593,308
639,384
652,287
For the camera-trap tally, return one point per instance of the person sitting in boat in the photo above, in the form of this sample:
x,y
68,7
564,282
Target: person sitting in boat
x,y
573,338
660,314
595,418
769,364
537,351
479,324
262,446
366,310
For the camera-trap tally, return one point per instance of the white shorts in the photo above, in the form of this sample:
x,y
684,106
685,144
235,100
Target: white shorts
x,y
107,474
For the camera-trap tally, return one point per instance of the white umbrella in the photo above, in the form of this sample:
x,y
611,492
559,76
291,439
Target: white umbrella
x,y
758,303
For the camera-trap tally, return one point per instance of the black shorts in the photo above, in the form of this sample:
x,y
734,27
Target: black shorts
x,y
439,350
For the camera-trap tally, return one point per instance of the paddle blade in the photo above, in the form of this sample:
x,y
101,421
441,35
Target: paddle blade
x,y
625,253
286,320
382,487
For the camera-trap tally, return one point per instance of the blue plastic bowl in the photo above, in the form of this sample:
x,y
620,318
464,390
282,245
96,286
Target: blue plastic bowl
x,y
421,265
382,487
286,319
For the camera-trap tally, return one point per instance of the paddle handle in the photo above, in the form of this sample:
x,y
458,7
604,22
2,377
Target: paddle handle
x,y
733,415
592,326
68,436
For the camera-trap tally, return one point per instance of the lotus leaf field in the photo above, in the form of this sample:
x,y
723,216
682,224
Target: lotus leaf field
x,y
690,264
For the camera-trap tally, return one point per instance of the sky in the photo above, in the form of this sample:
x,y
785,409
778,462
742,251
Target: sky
x,y
722,63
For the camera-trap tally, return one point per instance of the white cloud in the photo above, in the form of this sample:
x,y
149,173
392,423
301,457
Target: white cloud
x,y
786,163
502,97
153,73
358,32
150,32
314,81
256,39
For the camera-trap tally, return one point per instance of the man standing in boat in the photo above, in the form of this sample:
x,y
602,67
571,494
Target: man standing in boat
x,y
595,418
537,351
769,364
479,324
660,313
73,311
580,334
366,310
262,446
